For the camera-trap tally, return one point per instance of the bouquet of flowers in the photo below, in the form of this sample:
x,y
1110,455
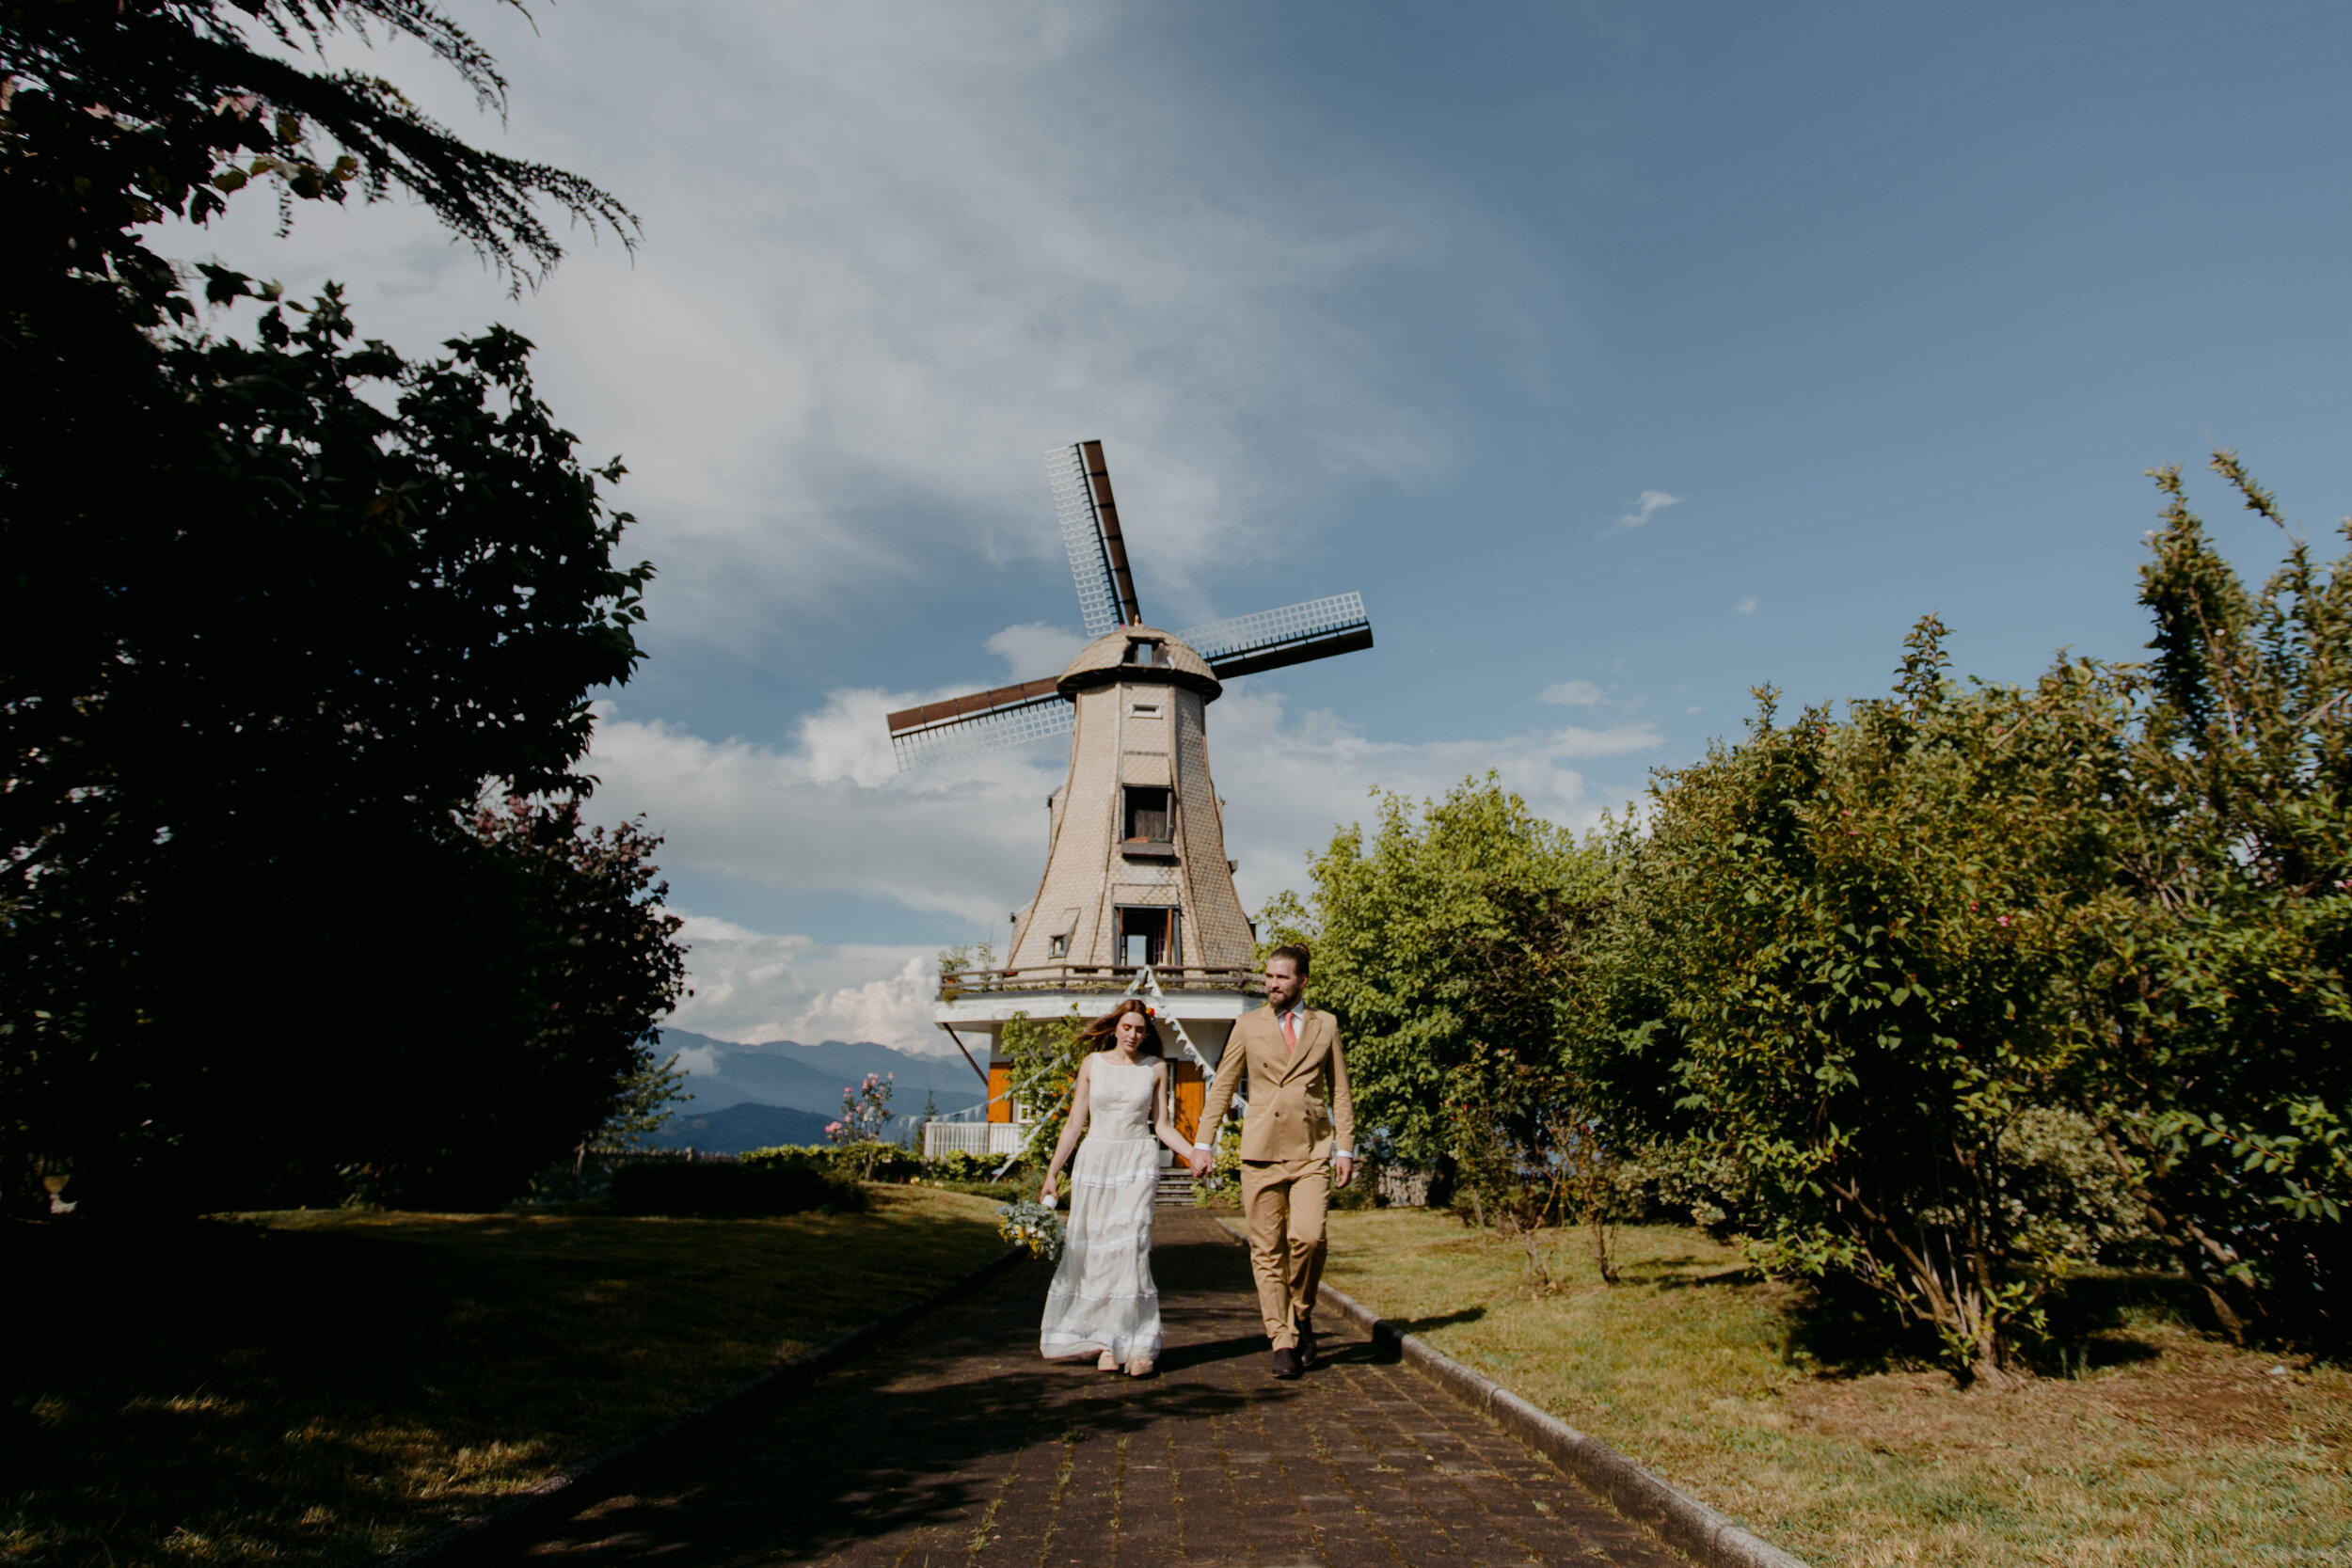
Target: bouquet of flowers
x,y
1033,1226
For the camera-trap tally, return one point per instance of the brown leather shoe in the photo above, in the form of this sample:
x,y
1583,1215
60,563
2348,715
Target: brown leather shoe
x,y
1306,1341
1285,1362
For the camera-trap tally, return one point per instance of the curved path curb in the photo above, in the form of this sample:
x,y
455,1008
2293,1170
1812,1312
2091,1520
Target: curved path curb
x,y
518,1517
1675,1516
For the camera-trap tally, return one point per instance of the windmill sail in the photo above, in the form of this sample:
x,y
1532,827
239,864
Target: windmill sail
x,y
983,722
1090,532
1273,638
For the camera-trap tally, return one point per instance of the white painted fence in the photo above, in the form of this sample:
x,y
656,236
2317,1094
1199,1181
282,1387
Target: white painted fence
x,y
985,1138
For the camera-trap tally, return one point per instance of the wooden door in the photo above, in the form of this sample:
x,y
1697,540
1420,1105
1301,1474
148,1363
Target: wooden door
x,y
1000,1091
1188,1089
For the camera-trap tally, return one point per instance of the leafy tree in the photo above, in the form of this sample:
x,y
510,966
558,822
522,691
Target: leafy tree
x,y
2225,1081
1879,933
1436,933
278,609
1044,1058
117,112
647,1098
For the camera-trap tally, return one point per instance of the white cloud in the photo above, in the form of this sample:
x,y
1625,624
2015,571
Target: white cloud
x,y
751,985
1746,605
940,240
1649,504
1573,694
833,813
695,1060
1035,650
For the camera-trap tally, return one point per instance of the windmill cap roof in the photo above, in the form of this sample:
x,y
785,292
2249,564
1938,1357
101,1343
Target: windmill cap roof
x,y
1107,662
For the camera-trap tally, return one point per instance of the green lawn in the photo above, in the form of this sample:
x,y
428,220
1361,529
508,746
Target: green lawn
x,y
320,1387
1803,1422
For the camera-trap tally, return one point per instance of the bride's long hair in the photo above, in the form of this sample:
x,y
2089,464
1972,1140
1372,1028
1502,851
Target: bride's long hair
x,y
1102,1034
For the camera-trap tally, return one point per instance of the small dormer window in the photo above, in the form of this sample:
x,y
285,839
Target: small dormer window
x,y
1153,654
1057,947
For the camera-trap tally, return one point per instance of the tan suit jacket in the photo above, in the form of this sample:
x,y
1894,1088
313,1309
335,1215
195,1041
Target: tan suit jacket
x,y
1298,1102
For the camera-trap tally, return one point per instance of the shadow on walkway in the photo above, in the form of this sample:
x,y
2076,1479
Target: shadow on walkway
x,y
922,1434
957,1443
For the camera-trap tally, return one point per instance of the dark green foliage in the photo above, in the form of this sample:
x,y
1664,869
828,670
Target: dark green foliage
x,y
1946,994
733,1189
281,611
1880,931
2225,1073
1423,944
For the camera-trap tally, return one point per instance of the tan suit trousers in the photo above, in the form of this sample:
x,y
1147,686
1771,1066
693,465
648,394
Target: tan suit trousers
x,y
1282,1201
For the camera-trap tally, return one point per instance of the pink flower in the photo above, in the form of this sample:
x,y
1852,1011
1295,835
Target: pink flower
x,y
2004,920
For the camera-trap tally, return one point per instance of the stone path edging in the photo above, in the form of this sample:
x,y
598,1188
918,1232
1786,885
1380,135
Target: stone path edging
x,y
520,1516
1678,1518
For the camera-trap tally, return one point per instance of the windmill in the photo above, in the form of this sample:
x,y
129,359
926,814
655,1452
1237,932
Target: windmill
x,y
1135,874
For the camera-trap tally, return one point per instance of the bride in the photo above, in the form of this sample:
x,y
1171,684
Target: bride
x,y
1103,1299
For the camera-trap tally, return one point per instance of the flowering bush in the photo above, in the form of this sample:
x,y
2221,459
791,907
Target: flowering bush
x,y
1032,1226
864,1112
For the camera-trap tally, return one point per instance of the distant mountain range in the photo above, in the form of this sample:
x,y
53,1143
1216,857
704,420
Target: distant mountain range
x,y
788,1076
742,1127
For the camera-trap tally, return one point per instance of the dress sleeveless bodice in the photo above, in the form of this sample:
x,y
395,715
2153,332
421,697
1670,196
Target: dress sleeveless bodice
x,y
1102,1297
1118,1104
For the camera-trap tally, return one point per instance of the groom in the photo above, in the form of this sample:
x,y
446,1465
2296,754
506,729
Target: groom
x,y
1299,1127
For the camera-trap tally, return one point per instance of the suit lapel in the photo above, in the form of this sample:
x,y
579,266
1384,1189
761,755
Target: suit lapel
x,y
1277,1057
1287,1062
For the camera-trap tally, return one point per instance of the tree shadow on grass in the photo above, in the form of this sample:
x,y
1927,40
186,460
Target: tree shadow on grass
x,y
1842,1328
2090,1318
1443,1319
1654,1270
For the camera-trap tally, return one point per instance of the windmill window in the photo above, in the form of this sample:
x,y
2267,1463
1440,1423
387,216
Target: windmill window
x,y
1150,936
1057,947
1146,653
1143,710
1147,815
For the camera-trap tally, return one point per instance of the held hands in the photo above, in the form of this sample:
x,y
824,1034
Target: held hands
x,y
1200,1163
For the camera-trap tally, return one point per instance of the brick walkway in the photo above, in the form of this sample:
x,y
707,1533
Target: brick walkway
x,y
956,1444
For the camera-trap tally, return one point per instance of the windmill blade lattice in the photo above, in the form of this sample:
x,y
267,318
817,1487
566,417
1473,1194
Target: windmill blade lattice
x,y
1090,532
1022,716
1292,635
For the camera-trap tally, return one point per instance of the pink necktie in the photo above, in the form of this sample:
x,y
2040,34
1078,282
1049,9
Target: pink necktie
x,y
1290,1032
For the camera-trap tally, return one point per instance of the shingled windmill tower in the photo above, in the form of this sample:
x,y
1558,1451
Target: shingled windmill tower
x,y
1135,873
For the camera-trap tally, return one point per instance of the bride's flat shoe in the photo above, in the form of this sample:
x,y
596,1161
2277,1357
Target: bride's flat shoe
x,y
1107,1362
1141,1367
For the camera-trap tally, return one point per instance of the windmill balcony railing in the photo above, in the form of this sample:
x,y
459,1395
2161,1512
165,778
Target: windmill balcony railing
x,y
1098,979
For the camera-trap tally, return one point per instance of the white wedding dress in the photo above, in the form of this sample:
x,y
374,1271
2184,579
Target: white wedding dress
x,y
1103,1298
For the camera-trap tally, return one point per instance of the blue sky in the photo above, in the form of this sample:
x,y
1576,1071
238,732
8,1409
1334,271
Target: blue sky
x,y
1884,310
